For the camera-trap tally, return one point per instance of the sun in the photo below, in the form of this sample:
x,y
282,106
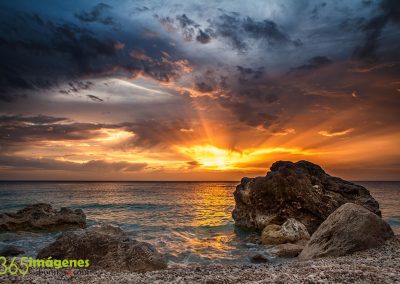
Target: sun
x,y
211,157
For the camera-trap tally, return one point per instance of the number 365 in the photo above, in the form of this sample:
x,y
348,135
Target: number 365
x,y
12,267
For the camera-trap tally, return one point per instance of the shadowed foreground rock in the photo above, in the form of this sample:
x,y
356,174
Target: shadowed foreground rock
x,y
11,251
107,247
299,190
349,229
42,216
287,250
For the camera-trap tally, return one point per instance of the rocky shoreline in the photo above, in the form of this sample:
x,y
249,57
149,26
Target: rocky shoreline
x,y
377,265
327,230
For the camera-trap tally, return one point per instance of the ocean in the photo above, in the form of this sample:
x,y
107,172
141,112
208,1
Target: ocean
x,y
190,222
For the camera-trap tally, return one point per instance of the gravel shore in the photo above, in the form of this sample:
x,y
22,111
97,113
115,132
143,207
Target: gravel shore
x,y
379,265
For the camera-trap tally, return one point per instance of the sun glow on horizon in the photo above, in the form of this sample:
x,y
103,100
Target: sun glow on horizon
x,y
213,158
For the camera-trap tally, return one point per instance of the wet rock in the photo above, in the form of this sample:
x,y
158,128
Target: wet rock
x,y
299,190
106,247
287,250
349,229
290,232
42,216
11,251
258,258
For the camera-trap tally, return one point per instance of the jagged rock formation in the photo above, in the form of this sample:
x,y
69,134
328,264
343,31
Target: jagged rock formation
x,y
42,216
299,190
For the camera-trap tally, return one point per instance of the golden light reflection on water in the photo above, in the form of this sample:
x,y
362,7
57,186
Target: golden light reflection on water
x,y
189,222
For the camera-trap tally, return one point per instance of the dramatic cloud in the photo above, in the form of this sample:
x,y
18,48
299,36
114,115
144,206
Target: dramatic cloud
x,y
388,12
23,129
141,90
55,165
97,14
49,52
238,31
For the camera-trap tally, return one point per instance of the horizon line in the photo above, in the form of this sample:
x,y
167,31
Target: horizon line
x,y
16,180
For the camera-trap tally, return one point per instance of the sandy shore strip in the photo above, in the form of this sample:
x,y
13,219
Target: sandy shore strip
x,y
378,265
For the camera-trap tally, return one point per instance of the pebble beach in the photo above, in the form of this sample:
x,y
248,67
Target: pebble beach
x,y
378,265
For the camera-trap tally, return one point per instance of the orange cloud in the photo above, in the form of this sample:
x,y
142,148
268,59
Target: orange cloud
x,y
284,132
335,133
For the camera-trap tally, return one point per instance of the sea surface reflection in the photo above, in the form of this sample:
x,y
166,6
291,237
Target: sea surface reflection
x,y
188,221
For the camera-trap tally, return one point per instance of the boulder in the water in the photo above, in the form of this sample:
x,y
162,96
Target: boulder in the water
x,y
42,216
299,190
106,247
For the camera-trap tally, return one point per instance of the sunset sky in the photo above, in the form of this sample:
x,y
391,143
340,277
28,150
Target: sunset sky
x,y
184,90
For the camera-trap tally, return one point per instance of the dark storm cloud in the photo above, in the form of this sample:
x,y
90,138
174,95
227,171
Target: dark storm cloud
x,y
208,81
317,8
19,119
203,87
238,31
232,28
17,128
39,60
97,14
76,87
251,106
188,26
249,73
45,53
388,12
251,102
17,131
189,29
247,93
14,162
250,114
312,64
152,133
95,98
203,37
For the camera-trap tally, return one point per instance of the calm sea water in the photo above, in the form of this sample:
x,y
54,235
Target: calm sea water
x,y
188,221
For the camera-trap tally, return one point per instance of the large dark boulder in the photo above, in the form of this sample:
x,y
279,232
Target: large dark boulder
x,y
349,229
299,190
42,216
106,247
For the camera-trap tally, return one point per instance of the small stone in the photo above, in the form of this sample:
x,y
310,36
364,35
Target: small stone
x,y
290,232
258,258
287,250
